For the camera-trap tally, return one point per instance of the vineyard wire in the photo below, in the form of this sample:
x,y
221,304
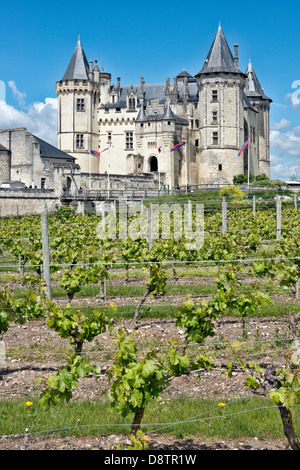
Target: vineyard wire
x,y
110,263
165,425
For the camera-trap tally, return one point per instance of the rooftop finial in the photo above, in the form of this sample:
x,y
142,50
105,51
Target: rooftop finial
x,y
219,23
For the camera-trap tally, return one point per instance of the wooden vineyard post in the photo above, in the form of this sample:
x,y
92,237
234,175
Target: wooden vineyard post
x,y
278,216
224,216
46,255
190,214
254,206
295,201
150,226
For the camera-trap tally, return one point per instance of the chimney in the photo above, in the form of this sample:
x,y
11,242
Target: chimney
x,y
236,55
119,82
91,75
142,88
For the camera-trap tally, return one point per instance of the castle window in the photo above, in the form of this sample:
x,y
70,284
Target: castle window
x,y
79,141
43,183
131,104
215,117
109,137
197,123
197,143
253,136
129,140
113,98
215,95
215,138
46,164
80,104
220,167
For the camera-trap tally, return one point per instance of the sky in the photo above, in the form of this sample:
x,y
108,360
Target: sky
x,y
156,39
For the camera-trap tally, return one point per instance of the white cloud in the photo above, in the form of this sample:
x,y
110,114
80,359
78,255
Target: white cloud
x,y
20,96
286,143
283,124
40,118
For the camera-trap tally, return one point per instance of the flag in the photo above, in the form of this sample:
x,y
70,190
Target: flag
x,y
93,152
177,146
159,148
104,150
243,147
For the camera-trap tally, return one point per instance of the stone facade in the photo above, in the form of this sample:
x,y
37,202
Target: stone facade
x,y
36,163
5,163
30,201
134,127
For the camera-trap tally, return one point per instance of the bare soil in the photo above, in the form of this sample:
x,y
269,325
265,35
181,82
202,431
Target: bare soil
x,y
17,380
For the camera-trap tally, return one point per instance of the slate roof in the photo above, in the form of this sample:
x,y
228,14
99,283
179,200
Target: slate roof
x,y
252,86
184,74
78,67
49,151
168,115
153,91
219,58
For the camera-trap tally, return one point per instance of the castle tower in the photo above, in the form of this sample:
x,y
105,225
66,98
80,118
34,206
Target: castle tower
x,y
259,132
221,97
78,94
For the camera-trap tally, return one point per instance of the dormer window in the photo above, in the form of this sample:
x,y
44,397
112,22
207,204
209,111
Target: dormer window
x,y
131,104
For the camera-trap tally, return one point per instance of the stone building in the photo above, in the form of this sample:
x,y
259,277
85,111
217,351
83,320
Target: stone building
x,y
132,128
26,158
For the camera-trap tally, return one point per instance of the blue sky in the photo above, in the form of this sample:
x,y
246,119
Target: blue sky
x,y
155,39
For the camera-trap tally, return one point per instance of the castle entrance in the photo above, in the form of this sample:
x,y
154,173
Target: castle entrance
x,y
153,163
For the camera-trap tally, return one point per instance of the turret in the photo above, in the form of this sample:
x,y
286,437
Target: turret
x,y
221,91
78,96
259,134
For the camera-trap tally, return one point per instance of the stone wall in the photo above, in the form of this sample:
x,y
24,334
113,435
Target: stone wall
x,y
121,182
22,202
5,163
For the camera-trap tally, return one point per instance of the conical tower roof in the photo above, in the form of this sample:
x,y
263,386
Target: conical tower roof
x,y
78,67
141,117
219,58
168,113
253,88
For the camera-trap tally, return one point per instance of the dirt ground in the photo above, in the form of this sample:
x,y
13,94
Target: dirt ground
x,y
17,379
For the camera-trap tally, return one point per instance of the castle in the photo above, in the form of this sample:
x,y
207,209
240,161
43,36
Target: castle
x,y
133,129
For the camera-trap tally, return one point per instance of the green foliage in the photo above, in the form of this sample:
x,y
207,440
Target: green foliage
x,y
76,326
137,377
60,385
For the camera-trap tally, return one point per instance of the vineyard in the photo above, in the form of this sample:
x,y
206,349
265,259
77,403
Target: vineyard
x,y
123,333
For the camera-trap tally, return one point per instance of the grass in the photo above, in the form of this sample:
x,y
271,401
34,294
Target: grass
x,y
247,417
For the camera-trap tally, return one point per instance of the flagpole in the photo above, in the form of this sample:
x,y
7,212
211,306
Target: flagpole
x,y
108,176
90,166
186,170
248,165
